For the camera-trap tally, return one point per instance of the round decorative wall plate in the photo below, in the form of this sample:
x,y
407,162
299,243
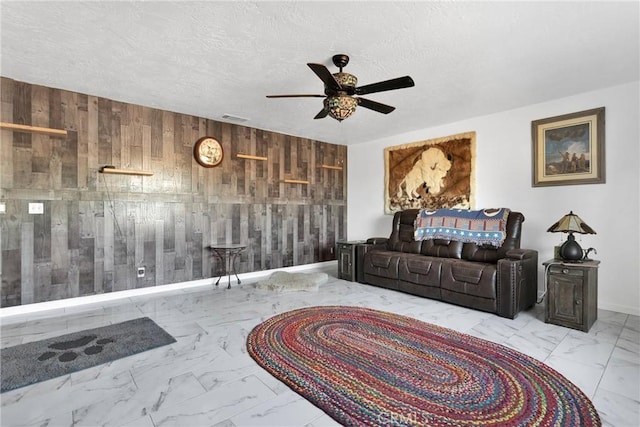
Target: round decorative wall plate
x,y
208,152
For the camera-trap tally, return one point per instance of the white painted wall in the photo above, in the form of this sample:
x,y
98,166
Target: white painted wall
x,y
503,179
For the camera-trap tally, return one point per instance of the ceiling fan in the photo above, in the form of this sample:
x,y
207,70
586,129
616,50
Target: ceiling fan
x,y
340,89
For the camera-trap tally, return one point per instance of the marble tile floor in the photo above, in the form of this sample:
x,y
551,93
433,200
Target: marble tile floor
x,y
207,378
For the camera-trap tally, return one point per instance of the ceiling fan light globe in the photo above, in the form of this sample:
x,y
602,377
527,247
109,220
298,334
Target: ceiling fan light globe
x,y
340,107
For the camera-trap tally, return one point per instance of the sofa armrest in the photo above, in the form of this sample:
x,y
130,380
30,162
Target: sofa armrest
x,y
521,253
517,282
377,240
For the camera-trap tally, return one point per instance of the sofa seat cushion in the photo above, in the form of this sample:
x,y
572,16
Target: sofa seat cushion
x,y
470,278
420,269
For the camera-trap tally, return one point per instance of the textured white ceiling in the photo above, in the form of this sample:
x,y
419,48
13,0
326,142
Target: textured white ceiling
x,y
214,58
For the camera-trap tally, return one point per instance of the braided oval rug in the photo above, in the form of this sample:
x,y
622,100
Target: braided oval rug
x,y
369,367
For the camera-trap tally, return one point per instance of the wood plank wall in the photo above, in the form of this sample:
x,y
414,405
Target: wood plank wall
x,y
97,228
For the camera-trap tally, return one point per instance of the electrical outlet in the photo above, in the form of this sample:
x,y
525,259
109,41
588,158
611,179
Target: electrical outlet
x,y
3,207
36,208
141,272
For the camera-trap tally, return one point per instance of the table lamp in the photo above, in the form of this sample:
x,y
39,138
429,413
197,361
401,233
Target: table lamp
x,y
571,223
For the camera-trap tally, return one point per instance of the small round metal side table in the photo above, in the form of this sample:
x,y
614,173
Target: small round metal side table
x,y
226,258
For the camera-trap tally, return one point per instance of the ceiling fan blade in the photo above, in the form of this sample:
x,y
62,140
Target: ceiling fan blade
x,y
296,96
398,83
375,106
325,75
322,114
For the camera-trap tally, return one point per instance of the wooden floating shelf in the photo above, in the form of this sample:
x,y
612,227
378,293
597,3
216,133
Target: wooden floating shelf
x,y
337,168
33,129
295,181
250,157
124,171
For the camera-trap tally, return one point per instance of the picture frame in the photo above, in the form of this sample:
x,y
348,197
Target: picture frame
x,y
569,149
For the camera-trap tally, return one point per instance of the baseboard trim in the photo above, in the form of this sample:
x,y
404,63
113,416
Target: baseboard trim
x,y
603,305
63,304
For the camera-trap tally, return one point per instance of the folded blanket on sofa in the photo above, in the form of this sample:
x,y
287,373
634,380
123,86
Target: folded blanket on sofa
x,y
482,227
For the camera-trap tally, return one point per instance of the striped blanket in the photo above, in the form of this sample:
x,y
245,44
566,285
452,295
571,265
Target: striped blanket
x,y
483,227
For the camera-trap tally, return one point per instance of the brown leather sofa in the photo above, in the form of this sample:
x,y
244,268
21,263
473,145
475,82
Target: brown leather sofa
x,y
501,280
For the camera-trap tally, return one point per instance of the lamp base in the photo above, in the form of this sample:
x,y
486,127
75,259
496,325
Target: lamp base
x,y
571,250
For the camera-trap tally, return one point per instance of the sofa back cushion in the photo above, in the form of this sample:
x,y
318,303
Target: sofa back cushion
x,y
401,238
487,253
442,248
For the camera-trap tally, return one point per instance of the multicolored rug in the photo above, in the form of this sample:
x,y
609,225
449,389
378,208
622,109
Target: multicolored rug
x,y
368,367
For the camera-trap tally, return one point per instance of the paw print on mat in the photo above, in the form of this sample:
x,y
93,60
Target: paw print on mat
x,y
66,347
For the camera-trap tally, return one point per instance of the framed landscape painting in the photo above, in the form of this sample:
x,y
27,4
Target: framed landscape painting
x,y
569,149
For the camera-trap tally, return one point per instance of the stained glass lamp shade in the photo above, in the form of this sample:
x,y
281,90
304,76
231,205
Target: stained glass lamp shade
x,y
571,223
